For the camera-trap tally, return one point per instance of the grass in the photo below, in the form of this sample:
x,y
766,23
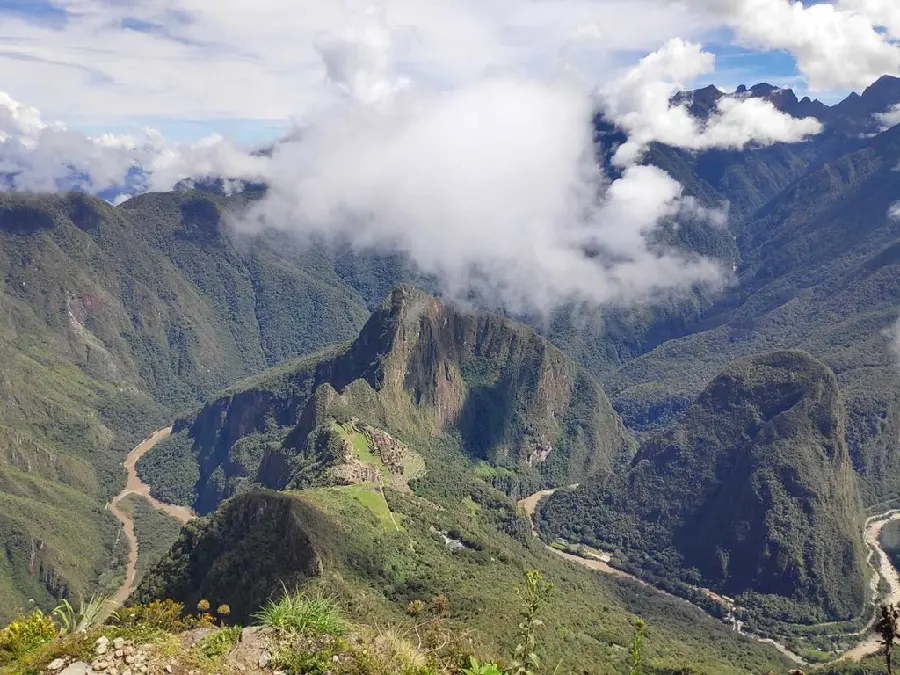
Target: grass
x,y
297,612
373,499
218,644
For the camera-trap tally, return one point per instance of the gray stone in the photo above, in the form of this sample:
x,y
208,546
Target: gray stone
x,y
78,668
56,664
264,658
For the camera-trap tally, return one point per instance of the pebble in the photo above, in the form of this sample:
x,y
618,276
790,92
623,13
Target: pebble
x,y
56,664
264,658
119,643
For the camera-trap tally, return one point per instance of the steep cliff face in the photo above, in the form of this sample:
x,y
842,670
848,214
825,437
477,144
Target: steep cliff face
x,y
752,491
422,370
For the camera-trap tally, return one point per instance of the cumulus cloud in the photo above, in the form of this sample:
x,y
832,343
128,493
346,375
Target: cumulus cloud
x,y
835,45
43,157
491,187
640,103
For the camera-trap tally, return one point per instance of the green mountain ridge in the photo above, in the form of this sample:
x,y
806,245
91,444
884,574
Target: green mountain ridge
x,y
421,370
115,319
750,493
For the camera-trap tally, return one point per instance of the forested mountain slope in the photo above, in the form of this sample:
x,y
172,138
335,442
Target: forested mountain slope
x,y
478,385
750,493
114,320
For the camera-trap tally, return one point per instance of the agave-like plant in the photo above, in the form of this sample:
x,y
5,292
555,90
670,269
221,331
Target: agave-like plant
x,y
87,616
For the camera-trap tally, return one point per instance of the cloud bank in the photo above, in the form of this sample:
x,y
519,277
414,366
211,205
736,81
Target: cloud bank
x,y
640,103
38,156
835,45
491,185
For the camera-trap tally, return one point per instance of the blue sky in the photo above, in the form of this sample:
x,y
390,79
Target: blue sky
x,y
245,69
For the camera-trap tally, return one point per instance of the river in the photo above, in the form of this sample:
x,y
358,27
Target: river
x,y
885,570
135,486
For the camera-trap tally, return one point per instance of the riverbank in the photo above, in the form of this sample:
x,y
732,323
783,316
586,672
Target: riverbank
x,y
884,570
135,486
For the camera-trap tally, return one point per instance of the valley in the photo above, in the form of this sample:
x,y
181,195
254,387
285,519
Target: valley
x,y
135,486
336,419
884,571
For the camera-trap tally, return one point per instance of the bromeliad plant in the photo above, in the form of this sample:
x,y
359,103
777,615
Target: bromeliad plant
x,y
88,615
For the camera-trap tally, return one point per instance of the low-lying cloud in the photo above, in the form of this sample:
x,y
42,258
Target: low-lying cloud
x,y
492,187
889,118
640,103
39,156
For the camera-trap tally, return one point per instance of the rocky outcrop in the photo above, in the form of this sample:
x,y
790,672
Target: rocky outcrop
x,y
419,369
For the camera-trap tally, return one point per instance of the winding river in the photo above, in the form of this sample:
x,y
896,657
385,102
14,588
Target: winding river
x,y
883,570
135,486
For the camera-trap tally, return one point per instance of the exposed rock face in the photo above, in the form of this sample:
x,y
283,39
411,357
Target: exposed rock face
x,y
418,369
751,491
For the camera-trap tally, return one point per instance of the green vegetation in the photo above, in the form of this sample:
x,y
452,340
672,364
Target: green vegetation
x,y
373,499
327,544
154,530
505,397
116,319
295,612
24,635
751,493
86,616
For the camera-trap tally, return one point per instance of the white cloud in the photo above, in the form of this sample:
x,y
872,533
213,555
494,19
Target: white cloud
x,y
889,118
884,13
40,156
640,104
894,211
491,186
208,59
836,46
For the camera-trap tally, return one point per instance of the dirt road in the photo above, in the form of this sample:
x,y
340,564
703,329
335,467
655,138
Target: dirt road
x,y
135,486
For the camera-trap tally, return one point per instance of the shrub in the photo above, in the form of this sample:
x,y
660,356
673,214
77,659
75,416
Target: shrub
x,y
476,668
218,644
298,613
156,616
25,634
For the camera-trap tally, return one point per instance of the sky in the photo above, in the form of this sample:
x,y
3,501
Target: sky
x,y
456,132
247,69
